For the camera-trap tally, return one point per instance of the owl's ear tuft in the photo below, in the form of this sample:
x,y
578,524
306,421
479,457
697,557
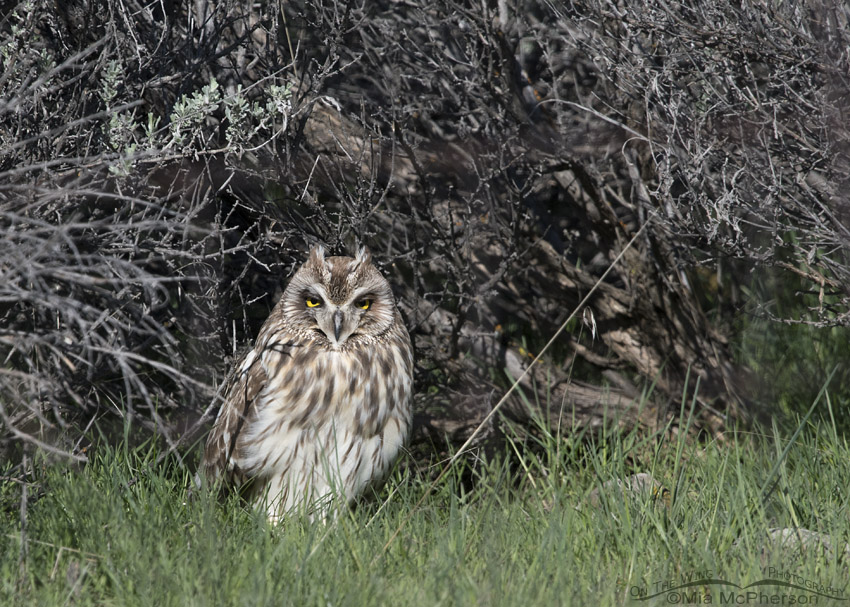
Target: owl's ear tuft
x,y
363,256
317,256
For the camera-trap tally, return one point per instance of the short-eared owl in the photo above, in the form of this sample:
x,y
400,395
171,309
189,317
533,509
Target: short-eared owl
x,y
321,405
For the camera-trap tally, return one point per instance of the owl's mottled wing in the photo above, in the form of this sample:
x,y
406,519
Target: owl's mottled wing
x,y
233,419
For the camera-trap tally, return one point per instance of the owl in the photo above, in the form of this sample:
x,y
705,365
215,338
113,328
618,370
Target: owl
x,y
321,405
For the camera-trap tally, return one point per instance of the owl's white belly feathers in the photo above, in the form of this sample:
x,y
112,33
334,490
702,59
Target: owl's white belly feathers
x,y
326,435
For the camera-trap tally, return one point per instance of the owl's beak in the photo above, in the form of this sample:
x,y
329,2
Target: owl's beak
x,y
337,324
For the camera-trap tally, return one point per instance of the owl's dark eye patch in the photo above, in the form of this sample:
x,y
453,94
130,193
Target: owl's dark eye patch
x,y
364,304
313,301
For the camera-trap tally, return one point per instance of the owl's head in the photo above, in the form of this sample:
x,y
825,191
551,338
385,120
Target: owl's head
x,y
339,300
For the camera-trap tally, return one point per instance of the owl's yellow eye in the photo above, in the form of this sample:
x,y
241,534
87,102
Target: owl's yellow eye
x,y
363,304
313,302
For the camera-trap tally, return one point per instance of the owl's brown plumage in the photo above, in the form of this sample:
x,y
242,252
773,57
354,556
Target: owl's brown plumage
x,y
321,405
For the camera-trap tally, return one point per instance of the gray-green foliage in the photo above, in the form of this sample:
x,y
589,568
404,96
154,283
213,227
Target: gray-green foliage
x,y
98,247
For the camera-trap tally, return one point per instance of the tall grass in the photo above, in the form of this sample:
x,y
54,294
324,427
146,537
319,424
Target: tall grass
x,y
791,361
529,527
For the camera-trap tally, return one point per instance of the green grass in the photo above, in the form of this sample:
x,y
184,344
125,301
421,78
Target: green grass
x,y
518,530
791,361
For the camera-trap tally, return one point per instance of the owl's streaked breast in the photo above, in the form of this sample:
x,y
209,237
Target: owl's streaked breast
x,y
327,421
